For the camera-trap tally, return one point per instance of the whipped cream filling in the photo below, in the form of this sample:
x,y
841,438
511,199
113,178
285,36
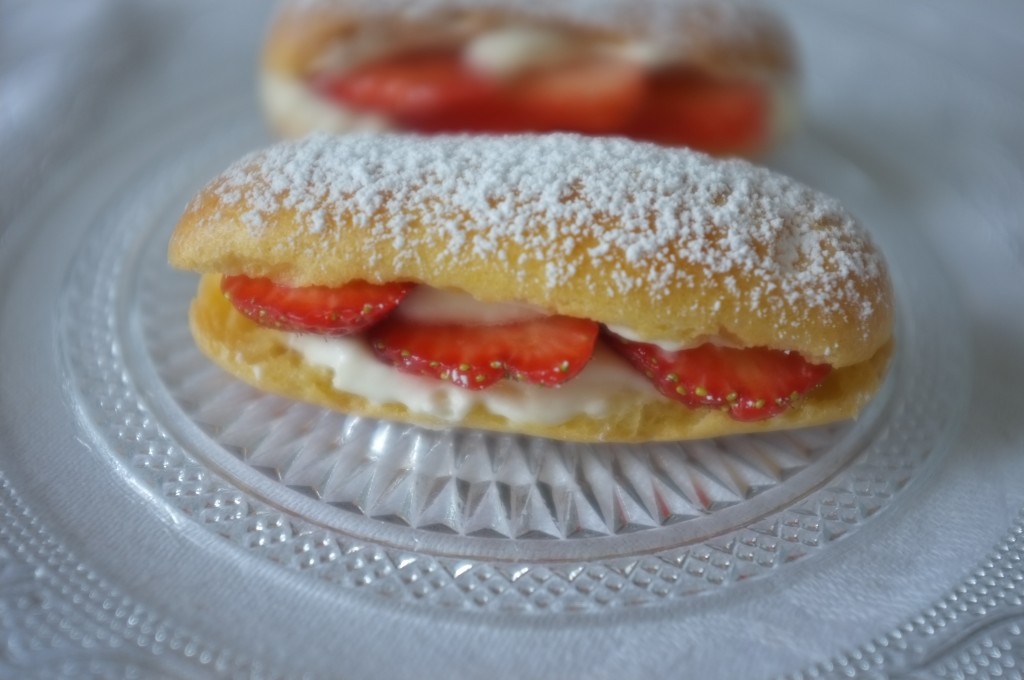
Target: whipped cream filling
x,y
290,99
667,345
356,370
507,52
432,305
510,51
672,345
503,52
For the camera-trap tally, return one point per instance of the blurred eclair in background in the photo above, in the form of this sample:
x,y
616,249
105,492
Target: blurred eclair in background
x,y
714,75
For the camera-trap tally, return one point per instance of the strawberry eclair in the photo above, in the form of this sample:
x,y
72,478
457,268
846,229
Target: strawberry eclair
x,y
714,75
579,288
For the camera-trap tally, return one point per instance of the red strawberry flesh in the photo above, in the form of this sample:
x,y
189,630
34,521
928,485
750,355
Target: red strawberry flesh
x,y
544,351
326,310
750,383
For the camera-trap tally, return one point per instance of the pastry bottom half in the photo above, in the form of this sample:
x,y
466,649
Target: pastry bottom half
x,y
261,357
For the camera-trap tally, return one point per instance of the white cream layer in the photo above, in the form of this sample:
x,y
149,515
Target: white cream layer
x,y
507,52
357,371
503,52
512,50
294,106
667,345
432,305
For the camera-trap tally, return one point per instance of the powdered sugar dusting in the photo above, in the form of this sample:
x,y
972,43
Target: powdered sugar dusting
x,y
529,200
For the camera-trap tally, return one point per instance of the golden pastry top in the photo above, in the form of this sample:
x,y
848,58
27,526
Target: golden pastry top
x,y
671,244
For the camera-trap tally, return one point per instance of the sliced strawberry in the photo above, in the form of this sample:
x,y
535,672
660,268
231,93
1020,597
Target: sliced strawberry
x,y
710,115
416,84
752,383
544,351
313,309
438,92
594,97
